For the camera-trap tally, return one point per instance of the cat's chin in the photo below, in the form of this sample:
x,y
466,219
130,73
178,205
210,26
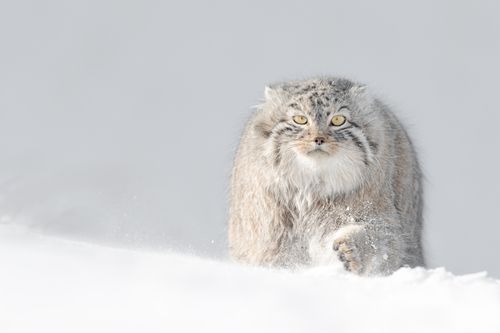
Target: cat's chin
x,y
315,159
335,173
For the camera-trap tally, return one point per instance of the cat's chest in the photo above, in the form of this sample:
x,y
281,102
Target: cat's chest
x,y
319,214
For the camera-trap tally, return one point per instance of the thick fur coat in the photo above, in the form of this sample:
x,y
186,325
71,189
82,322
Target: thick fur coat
x,y
325,172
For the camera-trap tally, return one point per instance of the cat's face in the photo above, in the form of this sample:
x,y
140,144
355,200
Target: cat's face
x,y
319,131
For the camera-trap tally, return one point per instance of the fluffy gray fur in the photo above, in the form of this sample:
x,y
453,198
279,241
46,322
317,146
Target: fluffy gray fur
x,y
317,193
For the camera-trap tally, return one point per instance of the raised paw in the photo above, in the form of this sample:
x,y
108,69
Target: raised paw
x,y
352,247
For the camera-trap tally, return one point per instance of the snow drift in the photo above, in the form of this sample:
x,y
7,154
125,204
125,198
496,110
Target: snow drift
x,y
55,285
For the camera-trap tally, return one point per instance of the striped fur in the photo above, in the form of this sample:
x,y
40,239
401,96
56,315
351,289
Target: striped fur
x,y
356,198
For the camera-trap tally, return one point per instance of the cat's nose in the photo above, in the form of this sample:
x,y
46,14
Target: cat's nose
x,y
319,140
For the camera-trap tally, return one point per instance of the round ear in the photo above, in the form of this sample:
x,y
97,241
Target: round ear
x,y
358,89
273,93
269,93
265,118
362,95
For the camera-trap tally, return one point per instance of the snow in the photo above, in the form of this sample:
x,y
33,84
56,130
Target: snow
x,y
51,284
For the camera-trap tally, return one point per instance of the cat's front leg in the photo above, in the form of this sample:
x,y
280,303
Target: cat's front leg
x,y
352,246
364,250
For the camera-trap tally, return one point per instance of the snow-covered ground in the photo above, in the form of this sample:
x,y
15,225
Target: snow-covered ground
x,y
52,284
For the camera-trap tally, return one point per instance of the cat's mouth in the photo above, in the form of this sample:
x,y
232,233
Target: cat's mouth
x,y
317,151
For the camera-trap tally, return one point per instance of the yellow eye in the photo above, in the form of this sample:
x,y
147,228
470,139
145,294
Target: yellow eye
x,y
301,120
338,120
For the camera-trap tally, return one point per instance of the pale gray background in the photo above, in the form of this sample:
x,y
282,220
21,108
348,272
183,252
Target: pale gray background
x,y
119,119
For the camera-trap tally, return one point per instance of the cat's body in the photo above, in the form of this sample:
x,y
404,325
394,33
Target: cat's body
x,y
325,171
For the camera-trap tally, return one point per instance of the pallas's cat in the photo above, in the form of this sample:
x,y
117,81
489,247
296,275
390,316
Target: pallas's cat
x,y
325,173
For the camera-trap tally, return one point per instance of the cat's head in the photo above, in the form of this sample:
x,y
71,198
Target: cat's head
x,y
319,132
